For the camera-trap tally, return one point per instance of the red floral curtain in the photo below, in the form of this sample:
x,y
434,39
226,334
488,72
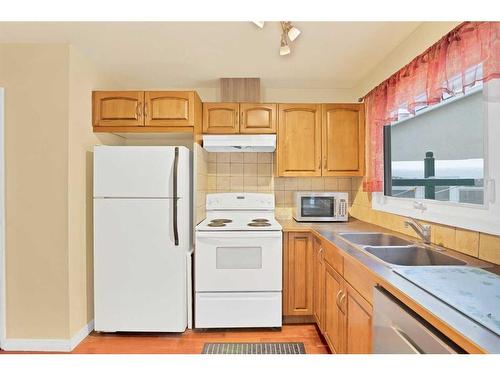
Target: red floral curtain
x,y
468,54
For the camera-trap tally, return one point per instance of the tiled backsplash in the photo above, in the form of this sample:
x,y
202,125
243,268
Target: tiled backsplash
x,y
253,172
200,157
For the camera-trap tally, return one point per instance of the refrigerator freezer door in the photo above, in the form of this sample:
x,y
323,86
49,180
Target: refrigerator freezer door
x,y
140,171
139,274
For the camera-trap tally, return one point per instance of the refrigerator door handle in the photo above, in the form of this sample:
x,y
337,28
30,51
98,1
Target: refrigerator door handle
x,y
176,165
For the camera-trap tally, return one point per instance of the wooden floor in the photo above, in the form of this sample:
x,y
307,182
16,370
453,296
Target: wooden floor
x,y
191,341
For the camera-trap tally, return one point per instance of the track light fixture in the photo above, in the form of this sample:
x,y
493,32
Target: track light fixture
x,y
284,48
288,34
291,31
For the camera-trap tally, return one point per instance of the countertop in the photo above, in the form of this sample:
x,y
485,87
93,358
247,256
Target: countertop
x,y
472,336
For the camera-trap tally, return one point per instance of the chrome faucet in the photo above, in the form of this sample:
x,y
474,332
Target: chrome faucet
x,y
423,230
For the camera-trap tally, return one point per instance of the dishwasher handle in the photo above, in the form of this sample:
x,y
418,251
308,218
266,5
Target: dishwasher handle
x,y
411,344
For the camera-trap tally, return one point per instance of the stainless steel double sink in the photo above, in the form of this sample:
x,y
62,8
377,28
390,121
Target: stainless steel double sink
x,y
397,251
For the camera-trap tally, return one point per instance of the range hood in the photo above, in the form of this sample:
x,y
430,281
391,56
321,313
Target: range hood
x,y
240,143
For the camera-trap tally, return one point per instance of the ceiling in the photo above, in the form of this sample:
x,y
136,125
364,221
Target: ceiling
x,y
196,54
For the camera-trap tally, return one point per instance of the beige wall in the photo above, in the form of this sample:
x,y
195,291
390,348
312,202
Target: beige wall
x,y
422,38
36,84
476,244
83,78
48,189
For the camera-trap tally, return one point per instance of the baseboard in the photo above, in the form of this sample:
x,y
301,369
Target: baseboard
x,y
298,319
48,345
81,334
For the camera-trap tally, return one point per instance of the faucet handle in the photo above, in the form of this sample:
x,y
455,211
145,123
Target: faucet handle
x,y
419,205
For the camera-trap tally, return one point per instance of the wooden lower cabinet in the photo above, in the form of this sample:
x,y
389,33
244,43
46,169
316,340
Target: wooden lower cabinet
x,y
298,275
319,284
313,287
335,317
359,323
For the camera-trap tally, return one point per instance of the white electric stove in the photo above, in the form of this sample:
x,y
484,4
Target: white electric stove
x,y
238,263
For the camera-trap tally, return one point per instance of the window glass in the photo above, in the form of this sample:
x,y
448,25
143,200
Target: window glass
x,y
438,153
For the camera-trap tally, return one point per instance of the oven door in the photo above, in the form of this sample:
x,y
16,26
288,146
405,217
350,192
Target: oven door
x,y
238,261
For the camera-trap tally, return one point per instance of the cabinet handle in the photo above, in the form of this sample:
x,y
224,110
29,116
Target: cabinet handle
x,y
341,302
138,107
337,298
242,119
324,162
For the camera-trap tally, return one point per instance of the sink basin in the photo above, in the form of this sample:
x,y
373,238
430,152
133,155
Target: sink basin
x,y
374,239
412,256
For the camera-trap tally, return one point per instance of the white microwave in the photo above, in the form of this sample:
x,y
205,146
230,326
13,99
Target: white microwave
x,y
320,206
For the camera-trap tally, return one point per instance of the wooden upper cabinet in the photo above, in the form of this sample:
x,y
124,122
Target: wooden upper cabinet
x,y
335,310
359,323
147,111
343,139
118,108
257,118
299,283
299,140
168,108
221,118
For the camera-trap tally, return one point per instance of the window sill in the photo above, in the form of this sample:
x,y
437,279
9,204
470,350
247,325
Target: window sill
x,y
482,219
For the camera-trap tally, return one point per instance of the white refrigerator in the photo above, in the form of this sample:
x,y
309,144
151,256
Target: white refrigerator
x,y
142,238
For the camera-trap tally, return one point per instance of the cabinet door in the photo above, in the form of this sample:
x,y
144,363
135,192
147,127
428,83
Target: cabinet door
x,y
299,140
118,108
257,118
168,108
299,293
318,285
334,323
221,118
343,139
359,323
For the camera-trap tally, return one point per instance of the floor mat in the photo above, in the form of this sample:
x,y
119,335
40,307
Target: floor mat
x,y
254,348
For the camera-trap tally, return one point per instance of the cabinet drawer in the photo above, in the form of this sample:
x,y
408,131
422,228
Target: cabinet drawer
x,y
333,257
360,278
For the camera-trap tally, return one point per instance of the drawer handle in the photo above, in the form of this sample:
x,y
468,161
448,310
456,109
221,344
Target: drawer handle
x,y
403,336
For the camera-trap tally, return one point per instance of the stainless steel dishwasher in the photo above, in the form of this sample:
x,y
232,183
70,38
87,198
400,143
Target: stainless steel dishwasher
x,y
398,330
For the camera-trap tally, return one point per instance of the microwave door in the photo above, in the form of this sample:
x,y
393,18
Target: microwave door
x,y
317,208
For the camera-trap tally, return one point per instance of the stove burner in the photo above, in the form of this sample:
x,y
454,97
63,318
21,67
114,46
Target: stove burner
x,y
216,224
260,220
221,221
259,224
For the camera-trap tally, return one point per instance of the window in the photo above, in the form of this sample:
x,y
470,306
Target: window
x,y
441,164
438,153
